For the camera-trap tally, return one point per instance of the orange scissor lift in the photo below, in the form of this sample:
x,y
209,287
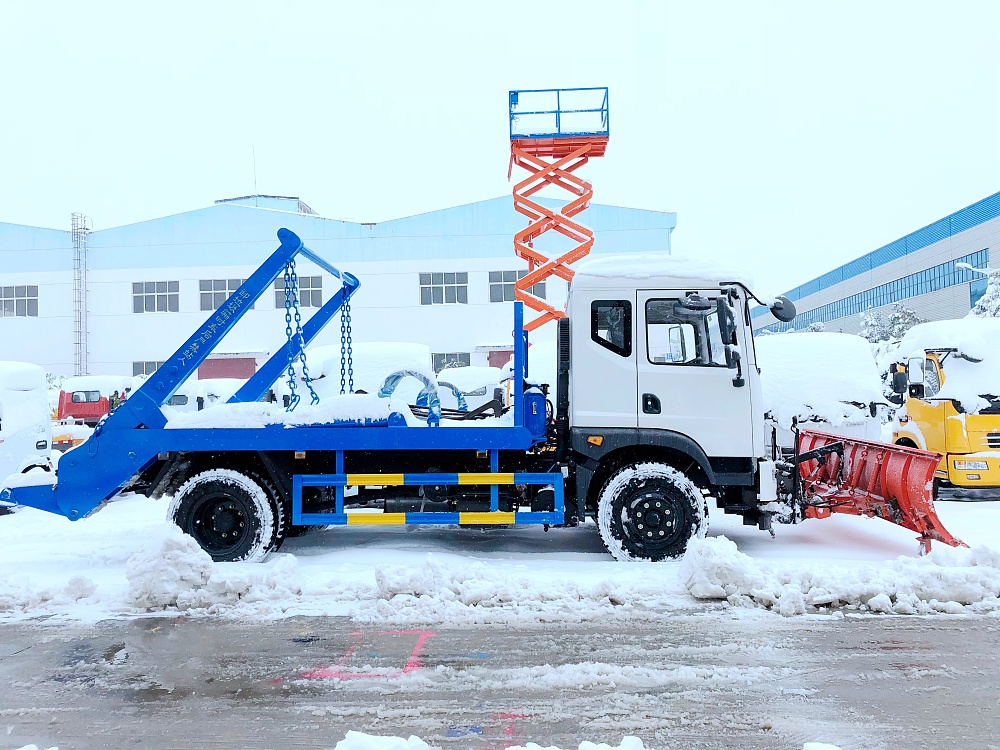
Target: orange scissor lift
x,y
553,132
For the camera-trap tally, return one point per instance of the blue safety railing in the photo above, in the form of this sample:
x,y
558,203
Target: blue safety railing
x,y
559,113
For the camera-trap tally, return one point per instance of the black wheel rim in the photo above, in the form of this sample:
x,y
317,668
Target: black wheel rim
x,y
651,521
221,523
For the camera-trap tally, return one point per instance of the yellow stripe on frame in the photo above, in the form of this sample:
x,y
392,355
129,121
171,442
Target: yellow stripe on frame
x,y
486,478
361,480
376,519
485,518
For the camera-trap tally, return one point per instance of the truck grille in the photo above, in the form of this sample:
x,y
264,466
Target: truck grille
x,y
993,440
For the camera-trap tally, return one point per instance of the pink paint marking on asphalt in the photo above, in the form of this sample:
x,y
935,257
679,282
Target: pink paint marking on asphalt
x,y
508,726
337,671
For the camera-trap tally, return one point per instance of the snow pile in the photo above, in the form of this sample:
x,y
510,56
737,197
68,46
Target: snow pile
x,y
946,581
664,268
437,591
31,478
104,384
818,376
964,381
469,379
350,408
17,596
170,571
362,741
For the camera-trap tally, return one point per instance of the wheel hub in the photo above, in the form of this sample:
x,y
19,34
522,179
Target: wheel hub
x,y
652,517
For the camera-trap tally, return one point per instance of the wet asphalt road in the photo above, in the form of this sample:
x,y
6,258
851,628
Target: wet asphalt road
x,y
702,679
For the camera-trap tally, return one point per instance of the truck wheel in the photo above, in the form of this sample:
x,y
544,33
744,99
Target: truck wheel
x,y
649,511
229,514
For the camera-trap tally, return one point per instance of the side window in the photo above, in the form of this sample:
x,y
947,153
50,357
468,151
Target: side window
x,y
611,325
681,334
932,381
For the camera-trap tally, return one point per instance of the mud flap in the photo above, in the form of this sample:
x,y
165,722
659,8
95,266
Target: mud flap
x,y
872,479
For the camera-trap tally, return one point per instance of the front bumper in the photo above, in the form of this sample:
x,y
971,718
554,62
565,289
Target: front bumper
x,y
972,478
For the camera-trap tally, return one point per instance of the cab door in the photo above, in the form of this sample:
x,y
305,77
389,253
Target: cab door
x,y
925,411
603,379
684,382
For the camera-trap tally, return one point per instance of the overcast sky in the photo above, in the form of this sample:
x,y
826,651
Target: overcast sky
x,y
791,137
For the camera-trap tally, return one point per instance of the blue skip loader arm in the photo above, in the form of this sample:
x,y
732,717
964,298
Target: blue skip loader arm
x,y
97,469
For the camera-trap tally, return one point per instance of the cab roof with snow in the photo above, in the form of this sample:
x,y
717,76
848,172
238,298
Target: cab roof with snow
x,y
656,271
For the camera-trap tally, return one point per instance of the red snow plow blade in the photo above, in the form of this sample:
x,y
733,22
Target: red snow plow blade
x,y
874,480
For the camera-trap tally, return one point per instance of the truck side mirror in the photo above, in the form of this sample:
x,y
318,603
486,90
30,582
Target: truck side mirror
x,y
727,326
783,309
915,374
733,361
899,381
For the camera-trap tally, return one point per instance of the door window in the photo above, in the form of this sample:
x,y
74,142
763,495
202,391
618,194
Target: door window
x,y
611,325
932,381
679,334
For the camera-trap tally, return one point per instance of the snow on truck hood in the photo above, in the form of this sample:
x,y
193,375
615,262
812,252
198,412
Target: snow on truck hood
x,y
964,381
660,270
805,374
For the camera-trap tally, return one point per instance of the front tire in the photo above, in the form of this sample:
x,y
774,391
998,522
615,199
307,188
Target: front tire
x,y
649,511
229,514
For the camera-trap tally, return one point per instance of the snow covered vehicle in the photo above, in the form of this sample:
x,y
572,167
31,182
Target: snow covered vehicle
x,y
87,398
657,404
820,381
25,429
949,375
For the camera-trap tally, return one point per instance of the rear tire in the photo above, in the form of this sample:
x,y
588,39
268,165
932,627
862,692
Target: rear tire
x,y
231,515
649,511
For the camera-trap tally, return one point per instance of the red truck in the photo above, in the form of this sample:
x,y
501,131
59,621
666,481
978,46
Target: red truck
x,y
87,398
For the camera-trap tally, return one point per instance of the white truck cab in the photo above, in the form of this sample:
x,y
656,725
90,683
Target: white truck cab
x,y
25,427
663,384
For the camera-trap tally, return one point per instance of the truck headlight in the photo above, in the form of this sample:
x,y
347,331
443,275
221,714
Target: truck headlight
x,y
967,465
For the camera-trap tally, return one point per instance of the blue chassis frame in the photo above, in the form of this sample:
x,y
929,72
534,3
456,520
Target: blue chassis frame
x,y
130,439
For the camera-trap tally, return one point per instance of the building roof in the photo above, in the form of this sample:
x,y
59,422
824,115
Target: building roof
x,y
236,232
966,218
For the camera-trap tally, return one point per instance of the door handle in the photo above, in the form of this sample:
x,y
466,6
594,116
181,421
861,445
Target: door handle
x,y
650,404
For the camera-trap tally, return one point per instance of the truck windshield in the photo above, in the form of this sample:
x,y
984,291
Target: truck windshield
x,y
677,335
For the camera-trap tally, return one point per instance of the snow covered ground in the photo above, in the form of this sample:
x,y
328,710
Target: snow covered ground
x,y
362,741
126,561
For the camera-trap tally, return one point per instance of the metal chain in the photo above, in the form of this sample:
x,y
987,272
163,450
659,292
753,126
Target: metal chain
x,y
290,283
350,352
300,341
343,350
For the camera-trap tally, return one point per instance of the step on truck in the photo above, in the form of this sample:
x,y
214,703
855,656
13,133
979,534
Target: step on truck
x,y
657,411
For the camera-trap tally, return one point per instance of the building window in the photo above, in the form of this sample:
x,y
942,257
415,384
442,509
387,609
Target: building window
x,y
310,292
976,290
445,360
155,296
19,302
502,285
145,368
444,288
215,292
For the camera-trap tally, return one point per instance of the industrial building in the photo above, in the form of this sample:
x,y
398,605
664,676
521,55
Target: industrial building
x,y
918,270
120,300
